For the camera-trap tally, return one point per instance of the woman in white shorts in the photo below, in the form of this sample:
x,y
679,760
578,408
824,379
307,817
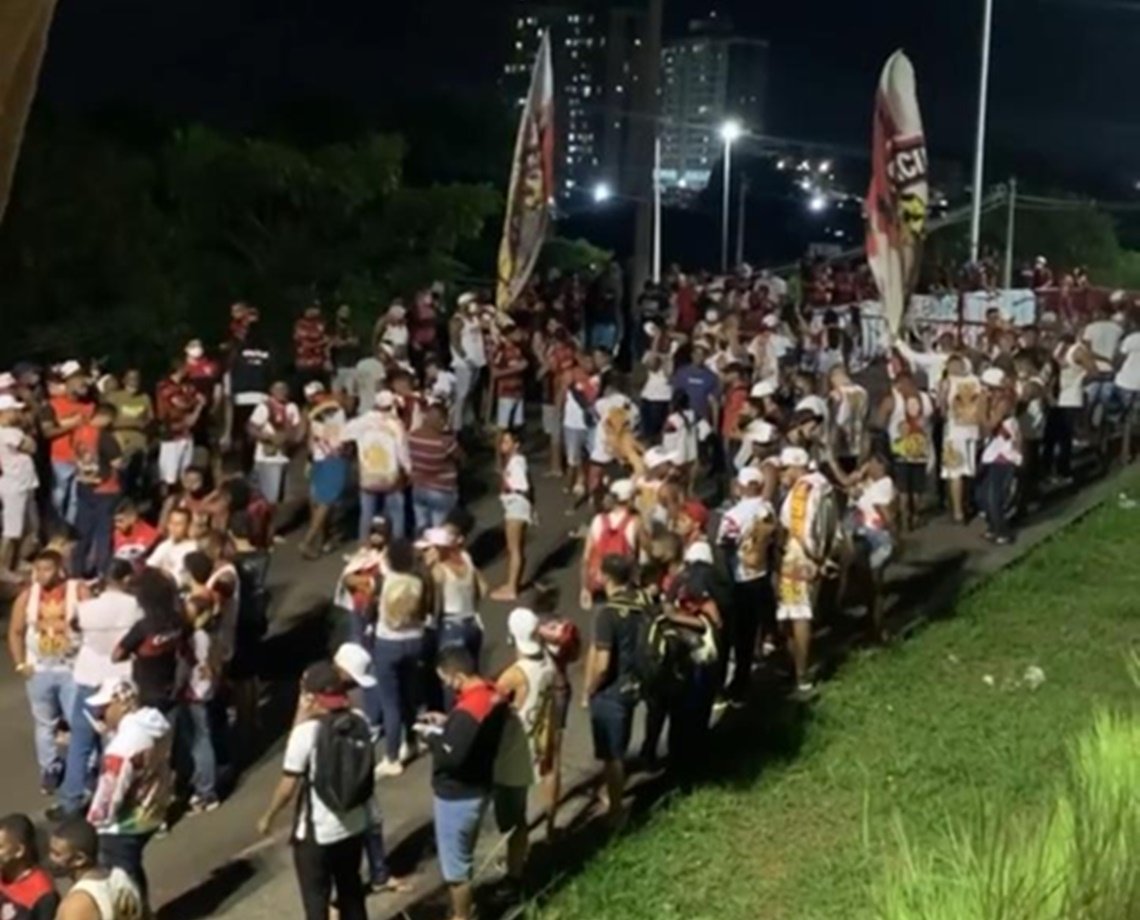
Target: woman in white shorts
x,y
518,513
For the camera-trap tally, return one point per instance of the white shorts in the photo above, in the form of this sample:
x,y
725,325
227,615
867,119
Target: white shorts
x,y
959,457
790,612
550,423
509,413
15,508
173,458
517,508
574,440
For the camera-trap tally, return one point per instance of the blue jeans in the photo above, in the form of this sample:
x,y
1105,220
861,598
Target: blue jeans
x,y
995,494
397,665
603,335
196,728
63,490
392,505
432,506
84,744
95,526
375,854
51,695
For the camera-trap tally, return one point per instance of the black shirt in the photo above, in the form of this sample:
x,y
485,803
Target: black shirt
x,y
616,628
30,897
154,661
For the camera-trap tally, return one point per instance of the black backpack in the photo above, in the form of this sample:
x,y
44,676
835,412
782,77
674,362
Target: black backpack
x,y
344,761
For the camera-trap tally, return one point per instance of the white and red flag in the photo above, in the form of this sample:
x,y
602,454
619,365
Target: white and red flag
x,y
897,197
531,192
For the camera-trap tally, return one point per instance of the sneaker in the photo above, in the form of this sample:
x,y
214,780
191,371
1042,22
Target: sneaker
x,y
201,805
1003,541
805,690
51,778
387,768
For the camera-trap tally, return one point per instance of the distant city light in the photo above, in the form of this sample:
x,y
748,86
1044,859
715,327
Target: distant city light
x,y
825,166
817,203
783,164
602,192
731,131
805,184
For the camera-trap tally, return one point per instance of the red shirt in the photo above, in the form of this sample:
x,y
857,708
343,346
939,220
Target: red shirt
x,y
30,897
62,448
561,359
310,344
735,399
509,385
95,449
175,401
135,542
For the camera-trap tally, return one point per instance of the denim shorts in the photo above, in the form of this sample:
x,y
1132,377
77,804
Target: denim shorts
x,y
456,833
611,723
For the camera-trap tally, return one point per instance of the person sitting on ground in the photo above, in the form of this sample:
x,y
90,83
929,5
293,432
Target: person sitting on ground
x,y
96,892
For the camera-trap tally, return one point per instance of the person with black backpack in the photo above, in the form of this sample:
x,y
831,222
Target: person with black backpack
x,y
328,770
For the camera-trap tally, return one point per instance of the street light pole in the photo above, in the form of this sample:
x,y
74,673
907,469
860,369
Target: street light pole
x,y
1010,220
980,148
729,132
740,200
657,209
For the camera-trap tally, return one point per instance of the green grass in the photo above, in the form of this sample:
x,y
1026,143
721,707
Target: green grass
x,y
904,745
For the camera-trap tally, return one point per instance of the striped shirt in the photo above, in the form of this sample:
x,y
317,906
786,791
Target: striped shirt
x,y
434,463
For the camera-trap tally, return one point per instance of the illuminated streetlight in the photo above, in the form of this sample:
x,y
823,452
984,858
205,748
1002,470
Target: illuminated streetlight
x,y
730,132
602,193
825,166
817,203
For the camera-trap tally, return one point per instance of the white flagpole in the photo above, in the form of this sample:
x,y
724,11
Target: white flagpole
x,y
980,148
657,209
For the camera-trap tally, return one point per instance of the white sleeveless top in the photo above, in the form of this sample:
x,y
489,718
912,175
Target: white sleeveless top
x,y
474,347
115,897
458,591
51,645
517,761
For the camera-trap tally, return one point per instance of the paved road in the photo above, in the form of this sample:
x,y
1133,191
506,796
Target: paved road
x,y
214,865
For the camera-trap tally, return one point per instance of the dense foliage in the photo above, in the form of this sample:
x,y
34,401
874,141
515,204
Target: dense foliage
x,y
111,247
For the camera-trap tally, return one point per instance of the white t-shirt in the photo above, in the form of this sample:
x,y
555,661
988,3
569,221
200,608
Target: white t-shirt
x,y
17,469
261,419
1128,377
370,373
680,436
735,526
171,557
573,415
1071,394
300,761
1103,337
516,477
326,433
103,621
880,493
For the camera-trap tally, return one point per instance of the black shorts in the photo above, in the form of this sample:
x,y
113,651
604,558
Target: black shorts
x,y
910,477
611,723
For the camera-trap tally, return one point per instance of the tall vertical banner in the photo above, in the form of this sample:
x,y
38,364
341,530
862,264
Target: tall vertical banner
x,y
897,198
532,184
24,28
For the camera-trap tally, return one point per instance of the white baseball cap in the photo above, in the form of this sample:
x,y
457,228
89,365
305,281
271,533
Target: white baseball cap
x,y
659,456
794,456
194,348
355,661
8,403
7,380
622,489
759,431
385,399
467,297
522,625
439,537
113,690
749,476
70,369
993,377
314,388
771,321
762,389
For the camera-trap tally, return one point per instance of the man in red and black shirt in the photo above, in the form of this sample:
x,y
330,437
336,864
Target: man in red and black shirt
x,y
26,890
464,745
178,406
507,370
311,347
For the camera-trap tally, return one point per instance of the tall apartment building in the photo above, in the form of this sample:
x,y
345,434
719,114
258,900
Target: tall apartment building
x,y
707,76
595,49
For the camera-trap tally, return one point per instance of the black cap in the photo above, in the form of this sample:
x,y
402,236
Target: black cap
x,y
322,678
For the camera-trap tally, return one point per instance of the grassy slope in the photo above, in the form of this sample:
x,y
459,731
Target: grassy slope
x,y
914,734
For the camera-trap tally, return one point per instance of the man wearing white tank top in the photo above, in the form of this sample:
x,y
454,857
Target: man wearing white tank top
x,y
95,893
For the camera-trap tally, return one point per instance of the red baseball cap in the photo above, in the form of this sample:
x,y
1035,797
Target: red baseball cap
x,y
696,512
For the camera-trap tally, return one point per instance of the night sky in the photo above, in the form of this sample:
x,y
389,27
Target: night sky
x,y
1062,88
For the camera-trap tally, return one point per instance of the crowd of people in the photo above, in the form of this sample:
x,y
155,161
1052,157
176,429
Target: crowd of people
x,y
740,468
